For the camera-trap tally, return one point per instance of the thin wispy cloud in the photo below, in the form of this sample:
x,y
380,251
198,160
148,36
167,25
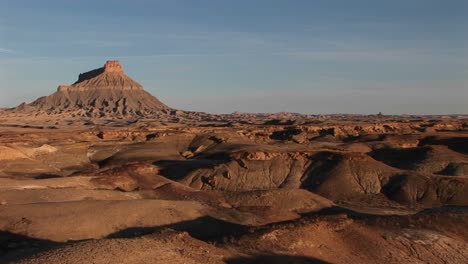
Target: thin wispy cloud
x,y
373,55
7,51
100,43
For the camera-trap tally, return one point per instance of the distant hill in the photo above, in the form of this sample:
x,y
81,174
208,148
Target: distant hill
x,y
103,92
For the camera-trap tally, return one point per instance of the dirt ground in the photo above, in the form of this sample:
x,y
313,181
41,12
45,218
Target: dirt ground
x,y
235,190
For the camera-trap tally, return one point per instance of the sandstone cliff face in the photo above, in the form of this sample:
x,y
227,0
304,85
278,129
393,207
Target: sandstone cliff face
x,y
103,92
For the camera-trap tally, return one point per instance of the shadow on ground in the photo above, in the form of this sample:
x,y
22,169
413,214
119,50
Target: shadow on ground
x,y
204,228
273,259
14,247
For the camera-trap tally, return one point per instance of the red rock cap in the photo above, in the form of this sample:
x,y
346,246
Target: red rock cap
x,y
113,66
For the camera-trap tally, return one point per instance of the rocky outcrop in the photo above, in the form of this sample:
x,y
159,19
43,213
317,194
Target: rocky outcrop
x,y
103,92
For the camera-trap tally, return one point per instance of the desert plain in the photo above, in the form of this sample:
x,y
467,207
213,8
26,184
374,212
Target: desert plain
x,y
103,172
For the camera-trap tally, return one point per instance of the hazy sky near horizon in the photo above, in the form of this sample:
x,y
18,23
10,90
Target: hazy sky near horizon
x,y
321,56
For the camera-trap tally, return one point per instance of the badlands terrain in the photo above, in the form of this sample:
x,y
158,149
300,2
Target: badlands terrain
x,y
103,172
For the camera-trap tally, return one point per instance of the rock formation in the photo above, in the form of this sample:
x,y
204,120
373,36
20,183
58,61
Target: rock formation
x,y
103,92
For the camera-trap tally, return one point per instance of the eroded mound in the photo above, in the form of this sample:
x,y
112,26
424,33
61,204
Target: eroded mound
x,y
427,159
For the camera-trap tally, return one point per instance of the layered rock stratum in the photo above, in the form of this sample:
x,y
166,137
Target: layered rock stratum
x,y
102,92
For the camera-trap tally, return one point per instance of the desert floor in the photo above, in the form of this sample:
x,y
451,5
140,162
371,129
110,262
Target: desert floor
x,y
335,191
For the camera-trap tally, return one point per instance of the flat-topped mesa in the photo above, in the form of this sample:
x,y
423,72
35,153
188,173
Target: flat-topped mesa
x,y
110,77
103,92
113,66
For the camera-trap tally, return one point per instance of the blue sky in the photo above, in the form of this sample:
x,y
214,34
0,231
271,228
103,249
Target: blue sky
x,y
400,56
